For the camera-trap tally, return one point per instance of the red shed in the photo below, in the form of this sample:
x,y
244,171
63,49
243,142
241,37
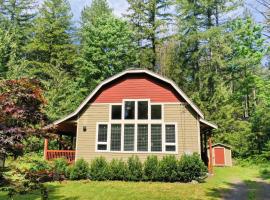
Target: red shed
x,y
222,155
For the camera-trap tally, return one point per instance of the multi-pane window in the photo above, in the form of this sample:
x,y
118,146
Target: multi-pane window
x,y
170,137
142,109
102,137
116,137
116,112
156,111
129,137
136,125
156,137
142,137
129,109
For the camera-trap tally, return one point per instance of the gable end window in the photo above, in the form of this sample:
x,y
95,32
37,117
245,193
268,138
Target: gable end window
x,y
129,109
116,112
142,109
156,112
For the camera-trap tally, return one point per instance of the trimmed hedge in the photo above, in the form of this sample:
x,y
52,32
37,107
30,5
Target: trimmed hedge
x,y
168,169
99,170
118,170
191,168
151,168
79,170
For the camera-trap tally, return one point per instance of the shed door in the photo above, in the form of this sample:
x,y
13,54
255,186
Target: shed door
x,y
219,156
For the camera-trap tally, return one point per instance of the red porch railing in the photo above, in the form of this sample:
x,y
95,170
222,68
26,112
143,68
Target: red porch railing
x,y
53,154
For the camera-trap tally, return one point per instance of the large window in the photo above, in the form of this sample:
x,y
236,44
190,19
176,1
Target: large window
x,y
129,137
116,137
156,138
137,126
142,137
102,137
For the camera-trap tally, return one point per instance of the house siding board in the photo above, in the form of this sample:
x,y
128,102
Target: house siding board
x,y
174,113
139,87
188,133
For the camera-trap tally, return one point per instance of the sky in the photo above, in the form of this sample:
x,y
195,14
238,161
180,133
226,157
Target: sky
x,y
120,7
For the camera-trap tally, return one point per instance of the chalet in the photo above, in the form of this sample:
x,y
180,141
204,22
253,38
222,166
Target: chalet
x,y
135,112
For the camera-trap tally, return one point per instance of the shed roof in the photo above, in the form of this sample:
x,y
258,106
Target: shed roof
x,y
222,145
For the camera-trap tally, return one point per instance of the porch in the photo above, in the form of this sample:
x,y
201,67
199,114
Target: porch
x,y
65,143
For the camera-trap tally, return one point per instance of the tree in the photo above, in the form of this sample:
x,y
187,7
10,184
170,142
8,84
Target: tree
x,y
98,8
107,49
149,21
16,20
51,54
21,114
52,43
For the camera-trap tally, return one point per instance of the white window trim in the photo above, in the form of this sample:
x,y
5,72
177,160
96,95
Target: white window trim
x,y
137,121
108,137
176,137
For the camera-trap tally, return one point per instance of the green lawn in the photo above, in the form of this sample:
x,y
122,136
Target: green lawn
x,y
112,190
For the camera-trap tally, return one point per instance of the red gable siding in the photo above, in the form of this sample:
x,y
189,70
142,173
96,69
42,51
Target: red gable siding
x,y
137,87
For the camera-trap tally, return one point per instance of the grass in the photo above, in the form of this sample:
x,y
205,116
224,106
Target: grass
x,y
212,188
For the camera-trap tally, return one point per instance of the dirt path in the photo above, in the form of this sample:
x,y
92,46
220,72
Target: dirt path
x,y
239,190
264,189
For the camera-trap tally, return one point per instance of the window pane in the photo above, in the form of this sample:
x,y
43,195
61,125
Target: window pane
x,y
142,137
129,109
156,112
102,133
116,112
142,109
170,147
170,133
102,146
116,137
129,137
156,140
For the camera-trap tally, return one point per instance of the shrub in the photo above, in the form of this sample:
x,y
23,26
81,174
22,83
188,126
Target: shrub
x,y
118,170
167,170
135,169
99,169
40,165
60,165
79,170
151,168
191,167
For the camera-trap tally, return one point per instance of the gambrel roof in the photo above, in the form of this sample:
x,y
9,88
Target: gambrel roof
x,y
137,71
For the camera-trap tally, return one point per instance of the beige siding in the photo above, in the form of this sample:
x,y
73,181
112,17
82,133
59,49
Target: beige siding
x,y
228,157
188,129
86,141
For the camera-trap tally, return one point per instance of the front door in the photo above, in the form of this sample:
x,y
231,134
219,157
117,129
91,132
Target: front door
x,y
219,156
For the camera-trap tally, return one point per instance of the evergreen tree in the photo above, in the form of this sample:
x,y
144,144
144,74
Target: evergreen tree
x,y
149,21
107,49
16,20
98,8
51,54
52,43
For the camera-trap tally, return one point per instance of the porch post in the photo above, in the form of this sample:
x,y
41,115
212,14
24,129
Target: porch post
x,y
210,162
45,148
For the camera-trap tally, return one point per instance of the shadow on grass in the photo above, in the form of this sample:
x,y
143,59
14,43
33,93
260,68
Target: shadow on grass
x,y
36,195
242,190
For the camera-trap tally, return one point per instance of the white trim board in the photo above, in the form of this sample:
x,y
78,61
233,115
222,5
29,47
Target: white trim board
x,y
136,71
